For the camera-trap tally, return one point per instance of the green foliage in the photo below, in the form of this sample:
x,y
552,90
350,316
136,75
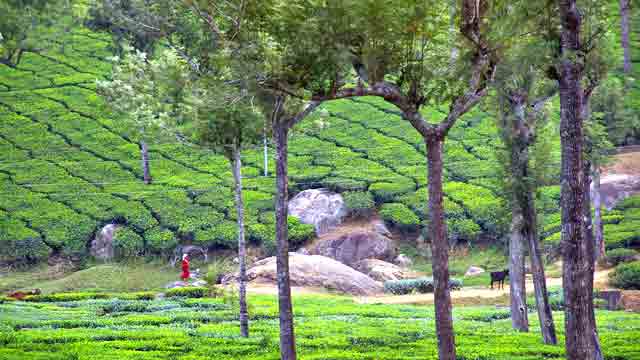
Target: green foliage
x,y
187,292
360,204
126,243
299,233
385,192
161,241
618,256
626,276
420,285
399,215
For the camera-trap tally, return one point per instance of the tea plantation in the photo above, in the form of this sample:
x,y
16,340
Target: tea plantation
x,y
327,327
68,166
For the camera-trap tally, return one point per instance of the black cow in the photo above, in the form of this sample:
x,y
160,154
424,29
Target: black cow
x,y
498,277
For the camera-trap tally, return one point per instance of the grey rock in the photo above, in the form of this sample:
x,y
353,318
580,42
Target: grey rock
x,y
321,208
403,261
380,270
352,247
313,271
381,228
474,270
102,245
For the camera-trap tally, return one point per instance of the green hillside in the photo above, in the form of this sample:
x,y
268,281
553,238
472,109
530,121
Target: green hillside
x,y
68,166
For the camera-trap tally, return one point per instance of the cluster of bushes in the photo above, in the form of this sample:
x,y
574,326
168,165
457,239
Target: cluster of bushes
x,y
620,255
187,292
419,285
626,276
81,296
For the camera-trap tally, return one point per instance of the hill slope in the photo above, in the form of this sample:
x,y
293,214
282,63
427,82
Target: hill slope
x,y
68,166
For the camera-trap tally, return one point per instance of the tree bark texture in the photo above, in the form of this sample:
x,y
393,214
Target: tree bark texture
x,y
439,250
625,8
580,333
517,293
237,176
144,153
597,216
287,336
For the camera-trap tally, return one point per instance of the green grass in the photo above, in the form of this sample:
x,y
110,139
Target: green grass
x,y
327,327
114,277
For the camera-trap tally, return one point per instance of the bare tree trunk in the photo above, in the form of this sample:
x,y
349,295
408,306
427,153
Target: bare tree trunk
x,y
518,294
453,55
287,336
625,6
144,153
266,152
597,216
237,176
577,276
440,251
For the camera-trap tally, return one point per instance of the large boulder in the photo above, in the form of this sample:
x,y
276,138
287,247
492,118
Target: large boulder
x,y
313,271
354,246
102,245
616,187
380,270
474,270
319,207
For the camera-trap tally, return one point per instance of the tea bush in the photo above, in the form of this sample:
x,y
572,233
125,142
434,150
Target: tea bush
x,y
420,285
626,276
360,204
400,216
187,292
618,256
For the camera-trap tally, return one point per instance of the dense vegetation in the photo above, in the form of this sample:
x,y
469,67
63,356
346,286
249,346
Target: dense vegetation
x,y
329,328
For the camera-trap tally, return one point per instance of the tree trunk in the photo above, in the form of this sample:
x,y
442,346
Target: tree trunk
x,y
237,177
518,295
266,153
524,202
597,216
144,152
625,6
440,251
287,336
577,275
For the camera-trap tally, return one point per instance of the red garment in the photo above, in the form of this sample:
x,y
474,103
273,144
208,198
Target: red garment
x,y
185,269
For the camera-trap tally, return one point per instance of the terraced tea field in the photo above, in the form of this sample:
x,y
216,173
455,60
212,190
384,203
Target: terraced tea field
x,y
327,327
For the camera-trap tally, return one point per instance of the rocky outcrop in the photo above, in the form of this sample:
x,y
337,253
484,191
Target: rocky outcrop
x,y
474,270
380,270
352,247
313,271
321,208
102,245
403,261
616,187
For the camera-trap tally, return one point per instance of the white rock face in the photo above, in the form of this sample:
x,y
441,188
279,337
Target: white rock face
x,y
313,271
319,207
102,245
473,271
403,261
616,187
380,270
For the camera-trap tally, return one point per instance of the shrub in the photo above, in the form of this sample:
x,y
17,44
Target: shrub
x,y
399,215
161,241
62,297
629,203
187,292
217,269
384,192
614,240
626,276
617,256
420,285
299,233
359,203
127,243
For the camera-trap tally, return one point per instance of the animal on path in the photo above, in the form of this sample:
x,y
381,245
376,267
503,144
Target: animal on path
x,y
498,277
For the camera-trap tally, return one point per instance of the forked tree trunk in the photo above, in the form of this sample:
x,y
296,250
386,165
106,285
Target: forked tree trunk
x,y
144,153
440,251
237,177
577,276
517,294
625,6
597,216
287,336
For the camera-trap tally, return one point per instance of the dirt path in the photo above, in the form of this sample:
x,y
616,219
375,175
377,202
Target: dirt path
x,y
475,295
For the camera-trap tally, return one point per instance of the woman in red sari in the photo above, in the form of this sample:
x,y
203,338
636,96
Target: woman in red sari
x,y
185,268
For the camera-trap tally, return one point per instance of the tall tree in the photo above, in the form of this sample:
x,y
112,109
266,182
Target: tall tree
x,y
227,121
625,9
575,46
144,92
522,97
26,26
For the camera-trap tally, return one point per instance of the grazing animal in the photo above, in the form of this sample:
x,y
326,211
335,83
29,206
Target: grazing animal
x,y
20,295
498,277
